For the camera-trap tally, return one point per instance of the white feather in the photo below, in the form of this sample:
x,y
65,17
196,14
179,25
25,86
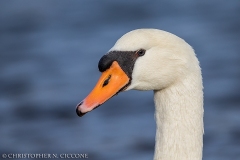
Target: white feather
x,y
171,69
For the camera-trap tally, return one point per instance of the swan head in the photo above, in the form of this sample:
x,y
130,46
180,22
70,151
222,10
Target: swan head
x,y
143,59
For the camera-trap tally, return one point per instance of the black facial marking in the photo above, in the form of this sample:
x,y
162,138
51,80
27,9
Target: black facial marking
x,y
106,81
126,60
104,63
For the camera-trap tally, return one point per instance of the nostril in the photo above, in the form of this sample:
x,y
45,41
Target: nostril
x,y
106,81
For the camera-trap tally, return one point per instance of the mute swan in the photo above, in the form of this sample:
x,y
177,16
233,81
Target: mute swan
x,y
151,59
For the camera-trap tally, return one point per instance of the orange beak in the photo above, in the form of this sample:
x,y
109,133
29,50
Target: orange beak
x,y
110,83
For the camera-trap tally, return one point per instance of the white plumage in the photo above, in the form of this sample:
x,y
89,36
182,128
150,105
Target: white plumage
x,y
171,69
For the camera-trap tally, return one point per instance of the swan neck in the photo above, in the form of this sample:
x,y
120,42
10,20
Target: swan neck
x,y
179,118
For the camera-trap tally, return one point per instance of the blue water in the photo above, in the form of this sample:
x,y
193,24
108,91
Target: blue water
x,y
49,51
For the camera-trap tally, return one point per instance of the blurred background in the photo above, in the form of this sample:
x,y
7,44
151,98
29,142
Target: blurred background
x,y
49,51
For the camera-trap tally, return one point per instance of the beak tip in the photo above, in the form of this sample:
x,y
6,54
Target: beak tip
x,y
79,113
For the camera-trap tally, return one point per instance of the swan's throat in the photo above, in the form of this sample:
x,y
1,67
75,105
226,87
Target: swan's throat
x,y
179,118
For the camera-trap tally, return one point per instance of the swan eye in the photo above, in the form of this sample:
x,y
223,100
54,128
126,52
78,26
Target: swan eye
x,y
140,52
